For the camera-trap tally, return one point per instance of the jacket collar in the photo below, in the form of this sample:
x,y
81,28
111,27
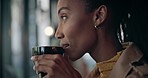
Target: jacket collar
x,y
122,66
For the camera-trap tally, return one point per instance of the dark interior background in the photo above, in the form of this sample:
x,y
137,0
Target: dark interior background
x,y
136,30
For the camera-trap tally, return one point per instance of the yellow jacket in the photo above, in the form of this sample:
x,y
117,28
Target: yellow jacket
x,y
129,65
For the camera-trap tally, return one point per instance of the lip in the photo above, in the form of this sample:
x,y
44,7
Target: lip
x,y
65,46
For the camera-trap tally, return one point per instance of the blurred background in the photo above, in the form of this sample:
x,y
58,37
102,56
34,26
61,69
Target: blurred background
x,y
28,23
24,24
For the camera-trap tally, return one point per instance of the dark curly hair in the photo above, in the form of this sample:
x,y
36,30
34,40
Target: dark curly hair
x,y
119,8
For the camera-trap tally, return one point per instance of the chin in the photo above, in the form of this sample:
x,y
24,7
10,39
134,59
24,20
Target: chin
x,y
74,58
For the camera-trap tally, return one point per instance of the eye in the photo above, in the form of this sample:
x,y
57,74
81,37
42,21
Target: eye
x,y
64,17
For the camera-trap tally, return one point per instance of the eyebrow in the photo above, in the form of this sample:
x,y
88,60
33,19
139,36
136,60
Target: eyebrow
x,y
63,9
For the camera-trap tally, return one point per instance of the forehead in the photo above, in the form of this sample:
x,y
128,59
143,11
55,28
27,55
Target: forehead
x,y
71,4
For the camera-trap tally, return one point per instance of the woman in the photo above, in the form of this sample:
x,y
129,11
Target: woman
x,y
90,26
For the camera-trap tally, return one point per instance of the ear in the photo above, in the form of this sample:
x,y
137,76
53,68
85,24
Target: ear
x,y
100,15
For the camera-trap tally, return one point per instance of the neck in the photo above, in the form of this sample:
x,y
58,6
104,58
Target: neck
x,y
106,49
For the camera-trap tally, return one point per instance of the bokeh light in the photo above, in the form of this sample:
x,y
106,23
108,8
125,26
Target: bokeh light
x,y
49,31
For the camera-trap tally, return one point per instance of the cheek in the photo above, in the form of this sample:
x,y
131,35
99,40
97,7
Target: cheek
x,y
87,40
81,43
81,34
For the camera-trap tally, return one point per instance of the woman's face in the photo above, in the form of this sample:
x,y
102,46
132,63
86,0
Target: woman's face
x,y
76,30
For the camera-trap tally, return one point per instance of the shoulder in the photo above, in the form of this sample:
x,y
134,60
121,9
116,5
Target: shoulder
x,y
139,69
138,66
130,64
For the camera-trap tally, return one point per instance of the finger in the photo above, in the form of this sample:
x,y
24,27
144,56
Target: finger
x,y
55,61
34,58
49,56
34,68
49,63
51,71
40,57
45,69
44,56
55,57
51,68
42,65
49,76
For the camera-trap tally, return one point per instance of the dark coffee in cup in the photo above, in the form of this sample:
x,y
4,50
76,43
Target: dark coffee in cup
x,y
40,50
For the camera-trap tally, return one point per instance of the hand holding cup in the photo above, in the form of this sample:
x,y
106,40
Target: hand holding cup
x,y
43,50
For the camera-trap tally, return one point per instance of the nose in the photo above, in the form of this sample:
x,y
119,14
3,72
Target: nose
x,y
59,34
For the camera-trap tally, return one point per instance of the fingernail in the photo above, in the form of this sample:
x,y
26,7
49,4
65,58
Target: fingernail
x,y
36,63
32,58
37,72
